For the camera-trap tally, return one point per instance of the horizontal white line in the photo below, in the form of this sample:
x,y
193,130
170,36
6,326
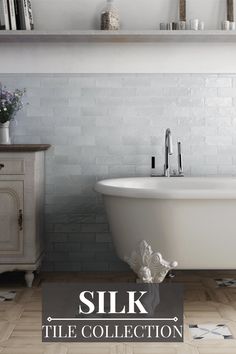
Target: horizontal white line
x,y
50,319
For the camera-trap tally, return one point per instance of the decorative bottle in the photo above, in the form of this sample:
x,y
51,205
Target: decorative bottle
x,y
110,20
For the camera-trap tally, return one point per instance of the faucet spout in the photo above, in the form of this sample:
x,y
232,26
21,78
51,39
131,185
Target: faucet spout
x,y
168,140
168,152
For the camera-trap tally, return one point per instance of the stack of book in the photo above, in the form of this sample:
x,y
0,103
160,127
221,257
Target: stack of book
x,y
16,15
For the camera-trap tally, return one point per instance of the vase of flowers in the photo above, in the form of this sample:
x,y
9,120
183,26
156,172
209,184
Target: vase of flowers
x,y
10,104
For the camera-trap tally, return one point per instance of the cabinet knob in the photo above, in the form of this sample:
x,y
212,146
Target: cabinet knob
x,y
2,166
20,220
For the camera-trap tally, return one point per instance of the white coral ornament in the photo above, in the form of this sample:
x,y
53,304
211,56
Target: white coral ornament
x,y
148,265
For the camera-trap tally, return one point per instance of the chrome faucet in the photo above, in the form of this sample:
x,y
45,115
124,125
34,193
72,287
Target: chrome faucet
x,y
180,160
168,152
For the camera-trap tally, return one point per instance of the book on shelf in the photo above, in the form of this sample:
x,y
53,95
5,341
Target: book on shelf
x,y
4,15
16,15
30,12
12,14
24,15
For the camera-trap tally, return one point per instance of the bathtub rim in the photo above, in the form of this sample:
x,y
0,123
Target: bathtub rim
x,y
106,188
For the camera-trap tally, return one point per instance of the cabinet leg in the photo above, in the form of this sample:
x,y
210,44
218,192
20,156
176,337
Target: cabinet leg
x,y
29,277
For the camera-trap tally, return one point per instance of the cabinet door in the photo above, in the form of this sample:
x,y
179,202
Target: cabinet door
x,y
11,218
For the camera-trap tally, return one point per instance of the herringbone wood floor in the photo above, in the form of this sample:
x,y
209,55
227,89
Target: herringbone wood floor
x,y
20,320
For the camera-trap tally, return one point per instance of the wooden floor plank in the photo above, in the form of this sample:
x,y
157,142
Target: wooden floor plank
x,y
20,319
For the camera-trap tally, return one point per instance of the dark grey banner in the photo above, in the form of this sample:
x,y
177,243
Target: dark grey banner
x,y
112,312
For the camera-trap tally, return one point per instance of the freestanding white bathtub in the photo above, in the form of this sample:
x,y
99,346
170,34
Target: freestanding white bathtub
x,y
190,220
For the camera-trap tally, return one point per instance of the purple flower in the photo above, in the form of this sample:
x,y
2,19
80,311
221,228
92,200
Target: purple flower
x,y
10,103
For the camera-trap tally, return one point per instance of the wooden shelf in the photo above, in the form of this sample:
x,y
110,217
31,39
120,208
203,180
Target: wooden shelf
x,y
116,36
24,147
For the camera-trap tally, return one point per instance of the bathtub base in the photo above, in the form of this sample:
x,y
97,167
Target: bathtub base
x,y
149,266
189,219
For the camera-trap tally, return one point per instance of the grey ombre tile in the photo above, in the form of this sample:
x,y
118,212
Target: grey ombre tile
x,y
219,82
219,101
54,81
204,92
103,237
103,126
227,92
81,237
219,140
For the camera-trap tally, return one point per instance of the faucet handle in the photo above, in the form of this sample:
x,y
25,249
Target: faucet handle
x,y
180,160
153,162
153,168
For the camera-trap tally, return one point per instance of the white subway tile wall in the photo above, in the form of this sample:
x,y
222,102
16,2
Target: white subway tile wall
x,y
109,125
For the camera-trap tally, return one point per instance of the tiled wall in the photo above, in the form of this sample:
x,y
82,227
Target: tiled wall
x,y
109,126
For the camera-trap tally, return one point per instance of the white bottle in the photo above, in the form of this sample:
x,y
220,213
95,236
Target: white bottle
x,y
110,19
